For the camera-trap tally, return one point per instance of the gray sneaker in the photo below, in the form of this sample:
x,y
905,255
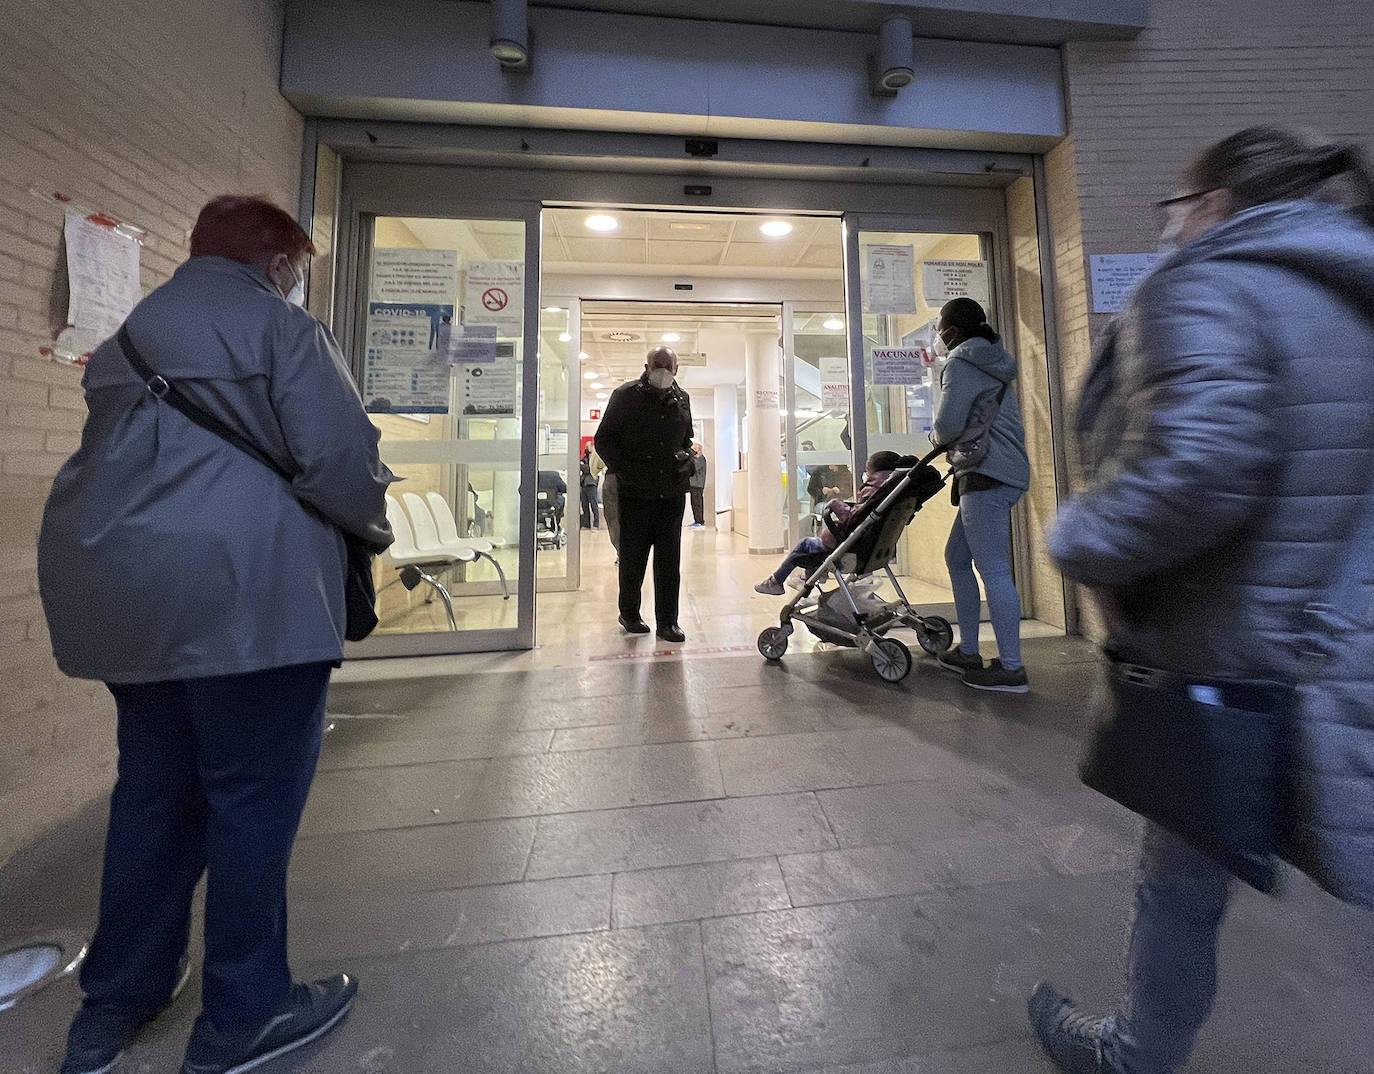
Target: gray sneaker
x,y
996,677
770,586
958,660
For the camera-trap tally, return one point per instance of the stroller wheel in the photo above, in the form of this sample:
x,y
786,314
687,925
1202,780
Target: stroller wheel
x,y
891,659
773,643
935,634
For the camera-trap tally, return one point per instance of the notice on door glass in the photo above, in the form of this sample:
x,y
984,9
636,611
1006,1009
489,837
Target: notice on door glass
x,y
890,280
405,275
899,365
834,384
494,293
489,388
944,281
470,343
404,373
1115,276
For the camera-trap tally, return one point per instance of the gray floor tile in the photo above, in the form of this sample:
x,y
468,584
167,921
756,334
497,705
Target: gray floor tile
x,y
780,764
923,809
387,923
595,779
688,892
643,732
363,799
351,747
681,834
432,858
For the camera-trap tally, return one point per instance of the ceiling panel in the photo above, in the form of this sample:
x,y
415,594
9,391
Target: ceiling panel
x,y
606,251
697,227
685,253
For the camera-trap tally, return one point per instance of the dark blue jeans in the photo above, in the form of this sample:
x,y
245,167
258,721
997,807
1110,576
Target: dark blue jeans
x,y
808,552
213,776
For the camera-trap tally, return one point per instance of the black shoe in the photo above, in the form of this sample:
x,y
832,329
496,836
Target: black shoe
x,y
671,632
310,1011
996,677
99,1035
634,626
960,661
1070,1037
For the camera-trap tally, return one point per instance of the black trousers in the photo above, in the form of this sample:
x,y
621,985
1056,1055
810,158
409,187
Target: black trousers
x,y
213,775
646,525
698,505
591,510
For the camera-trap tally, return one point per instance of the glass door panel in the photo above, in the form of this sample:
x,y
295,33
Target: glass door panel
x,y
442,375
818,437
557,525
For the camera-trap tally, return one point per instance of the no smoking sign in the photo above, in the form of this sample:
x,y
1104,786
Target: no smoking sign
x,y
494,299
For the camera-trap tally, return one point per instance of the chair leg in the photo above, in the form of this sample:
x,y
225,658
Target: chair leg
x,y
505,587
437,587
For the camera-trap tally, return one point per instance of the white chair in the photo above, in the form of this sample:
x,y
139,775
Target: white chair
x,y
411,560
449,539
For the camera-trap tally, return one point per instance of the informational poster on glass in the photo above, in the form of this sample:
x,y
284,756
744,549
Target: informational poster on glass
x,y
405,275
834,383
685,358
1115,276
489,388
404,372
494,293
899,365
890,279
471,343
944,281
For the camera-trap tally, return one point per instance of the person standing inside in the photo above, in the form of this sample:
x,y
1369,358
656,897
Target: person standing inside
x,y
1227,430
591,510
645,437
697,488
977,369
208,594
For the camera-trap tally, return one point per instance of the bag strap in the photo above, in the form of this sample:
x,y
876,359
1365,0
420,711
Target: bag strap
x,y
166,391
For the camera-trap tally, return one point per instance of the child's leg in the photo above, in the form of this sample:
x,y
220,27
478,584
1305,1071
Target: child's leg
x,y
805,548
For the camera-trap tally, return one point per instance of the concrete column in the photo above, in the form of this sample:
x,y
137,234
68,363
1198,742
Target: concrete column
x,y
762,388
726,457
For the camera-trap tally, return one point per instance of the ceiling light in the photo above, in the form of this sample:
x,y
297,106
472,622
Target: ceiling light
x,y
602,223
776,229
603,395
553,309
590,375
670,337
597,384
583,355
832,324
563,337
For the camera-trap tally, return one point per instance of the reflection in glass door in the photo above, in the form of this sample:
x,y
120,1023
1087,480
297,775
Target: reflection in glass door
x,y
818,439
442,373
903,278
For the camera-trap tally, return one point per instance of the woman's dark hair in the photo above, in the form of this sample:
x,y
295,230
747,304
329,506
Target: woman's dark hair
x,y
1263,164
883,460
967,316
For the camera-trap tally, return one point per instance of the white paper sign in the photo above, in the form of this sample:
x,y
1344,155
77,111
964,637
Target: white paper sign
x,y
891,280
489,388
944,281
402,374
898,365
102,277
405,275
1115,277
834,383
470,343
766,398
691,358
495,294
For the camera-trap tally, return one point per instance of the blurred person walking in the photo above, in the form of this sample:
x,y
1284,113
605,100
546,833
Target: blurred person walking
x,y
208,594
1227,428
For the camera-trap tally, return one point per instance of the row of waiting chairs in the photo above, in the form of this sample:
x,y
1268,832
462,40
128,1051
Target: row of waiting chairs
x,y
427,543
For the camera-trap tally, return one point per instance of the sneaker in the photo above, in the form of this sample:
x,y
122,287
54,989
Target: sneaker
x,y
1070,1037
996,677
99,1035
957,660
770,586
310,1011
698,526
634,626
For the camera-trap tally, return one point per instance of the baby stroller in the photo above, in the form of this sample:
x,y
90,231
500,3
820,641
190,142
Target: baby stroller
x,y
852,613
549,531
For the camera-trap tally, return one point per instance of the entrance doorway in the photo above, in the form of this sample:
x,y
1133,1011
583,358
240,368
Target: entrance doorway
x,y
785,324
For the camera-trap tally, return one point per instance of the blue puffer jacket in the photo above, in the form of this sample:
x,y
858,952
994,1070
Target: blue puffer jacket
x,y
1227,428
974,368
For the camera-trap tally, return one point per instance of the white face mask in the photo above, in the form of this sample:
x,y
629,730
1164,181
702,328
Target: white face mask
x,y
940,348
1168,238
660,378
296,293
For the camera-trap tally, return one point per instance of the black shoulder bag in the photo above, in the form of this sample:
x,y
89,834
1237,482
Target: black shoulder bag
x,y
360,593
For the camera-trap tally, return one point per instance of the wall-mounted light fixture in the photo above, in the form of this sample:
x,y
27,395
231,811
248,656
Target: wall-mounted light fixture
x,y
893,66
510,34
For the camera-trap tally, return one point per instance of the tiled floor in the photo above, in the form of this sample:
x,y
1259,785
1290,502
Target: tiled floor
x,y
684,865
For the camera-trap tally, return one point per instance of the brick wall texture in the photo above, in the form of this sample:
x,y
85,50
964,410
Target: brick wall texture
x,y
144,110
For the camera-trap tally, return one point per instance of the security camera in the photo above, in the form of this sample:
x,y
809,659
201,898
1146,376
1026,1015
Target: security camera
x,y
510,34
892,67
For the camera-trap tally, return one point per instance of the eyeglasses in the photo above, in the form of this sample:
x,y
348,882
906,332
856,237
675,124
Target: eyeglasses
x,y
1162,207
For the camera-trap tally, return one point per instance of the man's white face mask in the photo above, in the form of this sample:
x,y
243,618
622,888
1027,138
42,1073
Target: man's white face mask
x,y
296,296
661,378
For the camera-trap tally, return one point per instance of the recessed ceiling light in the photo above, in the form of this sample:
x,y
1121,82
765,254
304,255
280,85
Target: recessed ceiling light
x,y
776,229
590,375
603,395
602,223
833,324
553,309
670,337
597,384
563,337
583,355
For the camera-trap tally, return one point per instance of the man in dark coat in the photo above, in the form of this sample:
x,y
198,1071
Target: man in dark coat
x,y
645,439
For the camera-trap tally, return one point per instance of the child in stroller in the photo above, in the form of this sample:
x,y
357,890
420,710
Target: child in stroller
x,y
809,551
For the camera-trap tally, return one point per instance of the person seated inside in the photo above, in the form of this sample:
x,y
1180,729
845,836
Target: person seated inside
x,y
552,483
878,470
829,482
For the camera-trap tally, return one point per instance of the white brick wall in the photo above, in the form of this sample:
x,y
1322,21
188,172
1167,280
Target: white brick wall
x,y
145,110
